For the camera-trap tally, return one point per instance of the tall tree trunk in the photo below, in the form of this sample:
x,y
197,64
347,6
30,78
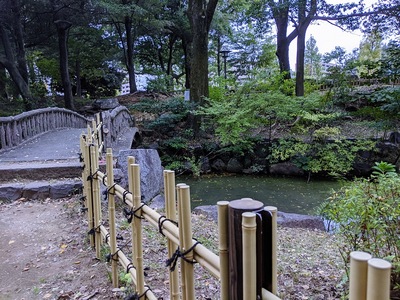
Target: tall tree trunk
x,y
301,45
187,52
130,66
8,61
282,48
62,32
304,22
200,13
20,47
3,85
78,79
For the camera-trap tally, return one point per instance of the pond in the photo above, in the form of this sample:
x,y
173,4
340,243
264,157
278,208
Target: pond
x,y
292,195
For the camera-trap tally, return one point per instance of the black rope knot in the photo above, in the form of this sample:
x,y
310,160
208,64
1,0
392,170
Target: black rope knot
x,y
124,195
161,221
171,262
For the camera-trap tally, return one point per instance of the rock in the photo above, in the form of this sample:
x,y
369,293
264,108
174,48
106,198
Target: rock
x,y
105,104
10,191
234,166
210,211
284,219
394,137
285,168
65,188
300,221
36,190
151,171
218,165
157,203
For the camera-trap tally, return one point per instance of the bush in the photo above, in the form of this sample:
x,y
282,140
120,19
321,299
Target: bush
x,y
366,213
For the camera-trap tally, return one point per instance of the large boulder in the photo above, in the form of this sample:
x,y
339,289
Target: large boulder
x,y
151,171
105,104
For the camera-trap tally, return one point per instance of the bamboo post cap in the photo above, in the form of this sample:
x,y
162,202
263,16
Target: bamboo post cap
x,y
271,208
222,203
360,256
246,203
379,263
249,219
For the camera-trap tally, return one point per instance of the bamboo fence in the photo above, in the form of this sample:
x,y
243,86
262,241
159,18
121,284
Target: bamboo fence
x,y
369,277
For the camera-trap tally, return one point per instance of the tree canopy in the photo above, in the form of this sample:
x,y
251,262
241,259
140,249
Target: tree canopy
x,y
81,48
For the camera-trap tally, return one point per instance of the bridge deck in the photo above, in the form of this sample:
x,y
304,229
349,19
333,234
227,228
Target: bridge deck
x,y
60,144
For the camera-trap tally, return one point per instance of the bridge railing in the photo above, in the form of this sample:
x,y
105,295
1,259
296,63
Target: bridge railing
x,y
369,277
114,122
17,129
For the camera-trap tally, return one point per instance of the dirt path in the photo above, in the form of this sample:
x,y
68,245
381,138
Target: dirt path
x,y
45,255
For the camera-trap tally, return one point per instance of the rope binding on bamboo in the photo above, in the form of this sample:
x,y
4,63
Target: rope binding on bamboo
x,y
129,214
161,221
171,262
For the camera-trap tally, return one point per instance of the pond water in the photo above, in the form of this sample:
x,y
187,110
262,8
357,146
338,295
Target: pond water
x,y
292,195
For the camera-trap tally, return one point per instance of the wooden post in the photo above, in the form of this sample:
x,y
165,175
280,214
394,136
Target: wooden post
x,y
358,275
111,216
87,186
170,210
186,242
223,248
378,284
249,227
274,212
138,229
236,208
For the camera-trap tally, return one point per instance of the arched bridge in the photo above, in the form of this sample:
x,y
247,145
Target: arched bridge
x,y
36,139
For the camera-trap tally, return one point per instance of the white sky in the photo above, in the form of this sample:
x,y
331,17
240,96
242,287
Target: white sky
x,y
329,36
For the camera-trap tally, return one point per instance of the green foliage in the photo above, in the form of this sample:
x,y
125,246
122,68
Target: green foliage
x,y
389,98
260,102
325,154
366,212
169,113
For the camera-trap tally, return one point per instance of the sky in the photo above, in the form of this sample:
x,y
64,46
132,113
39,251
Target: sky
x,y
329,36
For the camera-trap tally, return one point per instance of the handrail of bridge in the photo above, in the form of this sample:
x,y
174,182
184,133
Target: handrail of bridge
x,y
17,129
114,122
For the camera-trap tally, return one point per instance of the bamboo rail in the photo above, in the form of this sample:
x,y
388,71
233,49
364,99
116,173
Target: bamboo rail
x,y
18,129
369,277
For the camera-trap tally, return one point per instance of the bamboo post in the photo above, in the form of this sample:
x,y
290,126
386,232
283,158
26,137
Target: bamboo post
x,y
249,227
138,229
274,212
131,184
111,216
170,210
187,240
223,248
87,186
358,275
96,198
378,283
131,161
180,238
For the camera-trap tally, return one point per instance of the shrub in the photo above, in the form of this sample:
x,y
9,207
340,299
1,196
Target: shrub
x,y
366,213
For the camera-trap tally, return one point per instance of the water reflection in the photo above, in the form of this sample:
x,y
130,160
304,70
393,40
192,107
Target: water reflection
x,y
288,194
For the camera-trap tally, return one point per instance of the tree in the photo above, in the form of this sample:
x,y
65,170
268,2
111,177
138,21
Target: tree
x,y
390,61
132,20
370,54
13,54
200,14
312,59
